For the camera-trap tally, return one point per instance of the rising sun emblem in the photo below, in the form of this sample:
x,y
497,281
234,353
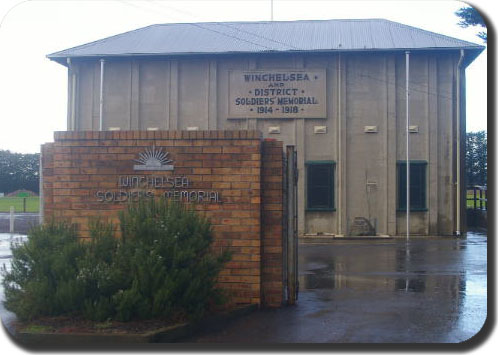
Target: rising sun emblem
x,y
153,159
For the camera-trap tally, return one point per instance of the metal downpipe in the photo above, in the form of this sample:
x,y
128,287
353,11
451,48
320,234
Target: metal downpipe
x,y
407,61
101,107
458,144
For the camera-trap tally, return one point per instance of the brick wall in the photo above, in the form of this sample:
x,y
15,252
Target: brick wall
x,y
271,220
85,175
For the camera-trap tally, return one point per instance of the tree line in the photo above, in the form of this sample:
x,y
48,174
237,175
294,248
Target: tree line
x,y
19,171
476,155
476,158
470,17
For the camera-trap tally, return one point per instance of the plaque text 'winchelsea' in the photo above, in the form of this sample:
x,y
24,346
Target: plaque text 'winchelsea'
x,y
277,93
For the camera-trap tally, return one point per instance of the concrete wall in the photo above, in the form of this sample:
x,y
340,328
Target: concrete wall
x,y
361,90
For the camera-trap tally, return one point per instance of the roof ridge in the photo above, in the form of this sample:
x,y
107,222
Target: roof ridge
x,y
269,22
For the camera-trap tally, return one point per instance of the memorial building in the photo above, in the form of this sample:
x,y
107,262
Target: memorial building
x,y
339,91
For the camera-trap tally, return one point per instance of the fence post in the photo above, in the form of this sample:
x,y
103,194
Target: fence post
x,y
475,197
292,237
24,204
11,226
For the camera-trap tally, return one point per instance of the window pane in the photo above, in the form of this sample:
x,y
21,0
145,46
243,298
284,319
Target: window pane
x,y
319,197
320,175
402,186
417,185
320,185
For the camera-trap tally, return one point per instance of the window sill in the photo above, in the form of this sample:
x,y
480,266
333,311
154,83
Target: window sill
x,y
320,209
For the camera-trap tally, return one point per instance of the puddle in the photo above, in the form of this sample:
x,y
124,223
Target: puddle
x,y
430,265
410,285
317,281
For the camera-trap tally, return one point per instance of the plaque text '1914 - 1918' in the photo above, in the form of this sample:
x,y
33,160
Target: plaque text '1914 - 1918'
x,y
277,93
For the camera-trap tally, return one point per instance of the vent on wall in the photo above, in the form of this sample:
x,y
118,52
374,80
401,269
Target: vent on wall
x,y
413,129
114,129
152,129
193,128
320,129
274,130
370,129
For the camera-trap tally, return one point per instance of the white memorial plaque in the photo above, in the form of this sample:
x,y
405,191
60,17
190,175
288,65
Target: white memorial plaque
x,y
277,93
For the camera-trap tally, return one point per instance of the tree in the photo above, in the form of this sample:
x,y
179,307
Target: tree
x,y
476,168
471,17
19,171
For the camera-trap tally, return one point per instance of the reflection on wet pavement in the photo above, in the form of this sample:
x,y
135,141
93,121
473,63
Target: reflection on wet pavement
x,y
440,282
6,239
378,291
369,291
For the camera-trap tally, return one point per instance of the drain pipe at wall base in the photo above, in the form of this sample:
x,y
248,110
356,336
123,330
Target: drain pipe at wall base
x,y
102,62
458,138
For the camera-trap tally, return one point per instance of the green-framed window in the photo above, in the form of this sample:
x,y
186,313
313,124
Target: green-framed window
x,y
418,185
320,185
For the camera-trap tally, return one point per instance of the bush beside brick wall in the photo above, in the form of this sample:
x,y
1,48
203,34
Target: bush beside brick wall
x,y
248,221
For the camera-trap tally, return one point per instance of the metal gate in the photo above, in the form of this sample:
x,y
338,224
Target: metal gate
x,y
290,237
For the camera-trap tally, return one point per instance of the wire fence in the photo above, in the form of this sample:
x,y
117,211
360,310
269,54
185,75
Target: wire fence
x,y
477,198
21,204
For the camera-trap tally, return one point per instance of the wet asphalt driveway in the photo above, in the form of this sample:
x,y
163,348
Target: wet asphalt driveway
x,y
377,291
367,291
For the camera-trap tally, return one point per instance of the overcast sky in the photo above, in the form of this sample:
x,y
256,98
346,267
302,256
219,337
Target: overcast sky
x,y
33,89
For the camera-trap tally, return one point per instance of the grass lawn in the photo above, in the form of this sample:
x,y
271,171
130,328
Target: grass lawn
x,y
470,199
32,204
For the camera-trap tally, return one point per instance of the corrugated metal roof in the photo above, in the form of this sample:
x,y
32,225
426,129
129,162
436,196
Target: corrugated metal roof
x,y
259,37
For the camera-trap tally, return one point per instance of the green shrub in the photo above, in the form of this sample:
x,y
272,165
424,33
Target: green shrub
x,y
42,280
162,266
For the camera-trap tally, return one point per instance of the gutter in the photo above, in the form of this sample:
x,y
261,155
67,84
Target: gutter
x,y
472,53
